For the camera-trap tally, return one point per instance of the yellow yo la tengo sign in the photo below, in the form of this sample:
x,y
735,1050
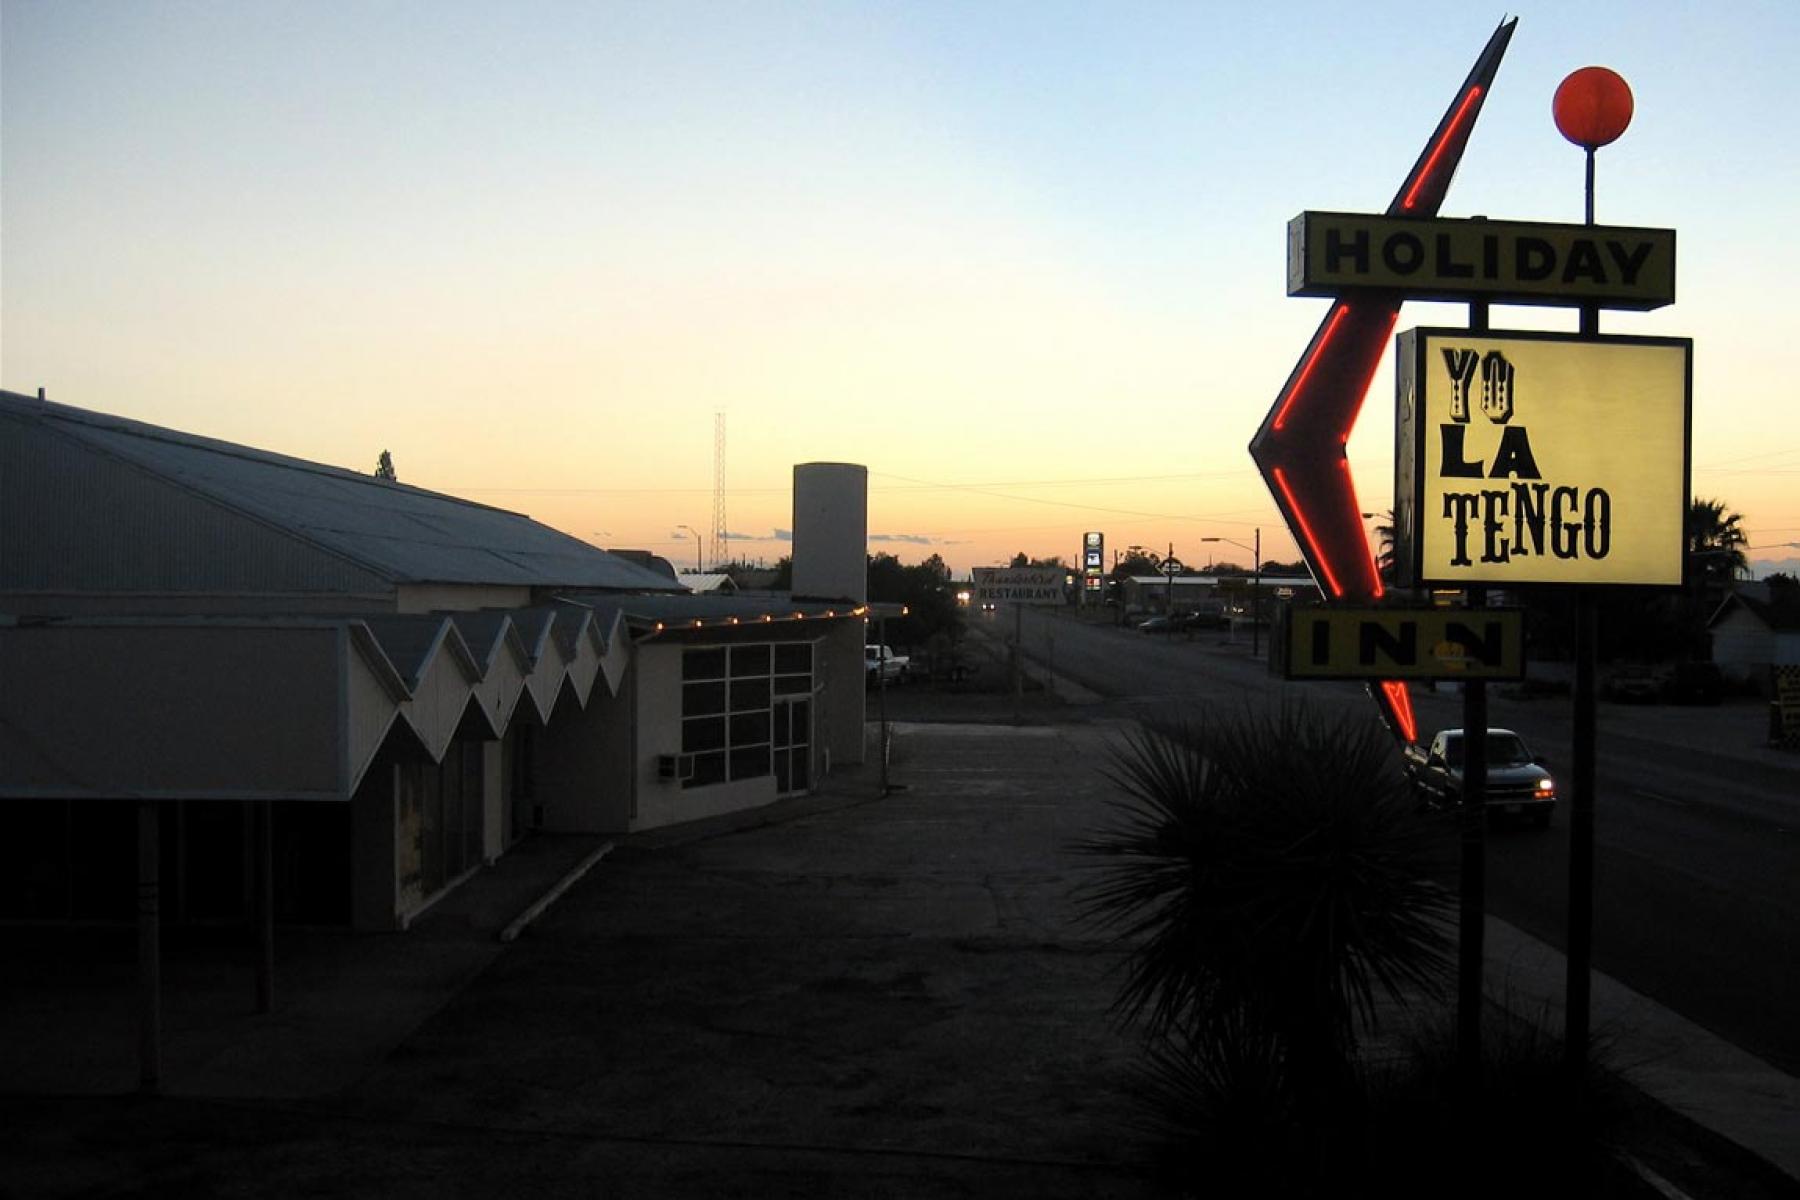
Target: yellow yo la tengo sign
x,y
1541,458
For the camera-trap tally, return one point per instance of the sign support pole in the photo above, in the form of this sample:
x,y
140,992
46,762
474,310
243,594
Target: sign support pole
x,y
1472,911
881,695
1018,660
1578,988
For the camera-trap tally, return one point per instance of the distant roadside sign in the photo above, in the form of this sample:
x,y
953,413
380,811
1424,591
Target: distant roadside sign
x,y
1401,643
1019,585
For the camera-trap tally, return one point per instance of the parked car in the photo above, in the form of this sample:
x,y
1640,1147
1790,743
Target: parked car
x,y
1517,784
1635,683
1204,620
1157,625
1665,683
881,663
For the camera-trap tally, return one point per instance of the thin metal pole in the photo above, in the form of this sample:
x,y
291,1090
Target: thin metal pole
x,y
1472,899
1581,845
1578,993
149,946
1169,606
1018,660
881,652
263,815
1256,592
1590,185
1472,909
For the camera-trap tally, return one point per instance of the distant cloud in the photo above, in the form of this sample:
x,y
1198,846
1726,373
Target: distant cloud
x,y
749,537
1762,568
784,535
913,539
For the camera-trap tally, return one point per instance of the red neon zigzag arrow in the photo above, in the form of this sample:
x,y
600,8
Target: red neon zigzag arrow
x,y
1300,447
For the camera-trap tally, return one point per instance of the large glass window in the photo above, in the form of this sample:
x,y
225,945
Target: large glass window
x,y
727,706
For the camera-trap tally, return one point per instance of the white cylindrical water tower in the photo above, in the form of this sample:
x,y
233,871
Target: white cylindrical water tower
x,y
831,531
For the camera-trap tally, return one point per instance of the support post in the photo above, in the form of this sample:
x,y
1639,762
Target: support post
x,y
881,652
1472,909
1578,994
1018,661
1581,846
149,946
1256,594
263,817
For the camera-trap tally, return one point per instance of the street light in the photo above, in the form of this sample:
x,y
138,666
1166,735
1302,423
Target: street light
x,y
1256,586
699,547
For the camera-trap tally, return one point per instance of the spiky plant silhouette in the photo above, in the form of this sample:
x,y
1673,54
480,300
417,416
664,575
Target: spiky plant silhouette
x,y
1272,884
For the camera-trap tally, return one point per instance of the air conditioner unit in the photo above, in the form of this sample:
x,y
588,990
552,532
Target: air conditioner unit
x,y
674,768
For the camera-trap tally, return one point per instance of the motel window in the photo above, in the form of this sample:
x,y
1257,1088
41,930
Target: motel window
x,y
728,696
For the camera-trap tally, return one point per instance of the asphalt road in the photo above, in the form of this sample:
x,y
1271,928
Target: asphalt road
x,y
1697,897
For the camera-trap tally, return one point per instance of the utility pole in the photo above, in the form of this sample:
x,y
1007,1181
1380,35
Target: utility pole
x,y
1169,574
1256,592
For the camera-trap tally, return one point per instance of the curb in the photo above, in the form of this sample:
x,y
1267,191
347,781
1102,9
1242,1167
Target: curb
x,y
538,907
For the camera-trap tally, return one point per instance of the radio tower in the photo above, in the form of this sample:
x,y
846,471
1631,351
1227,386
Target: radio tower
x,y
721,541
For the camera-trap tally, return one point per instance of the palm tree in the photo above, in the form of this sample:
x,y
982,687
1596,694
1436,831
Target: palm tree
x,y
1270,880
1715,544
1385,542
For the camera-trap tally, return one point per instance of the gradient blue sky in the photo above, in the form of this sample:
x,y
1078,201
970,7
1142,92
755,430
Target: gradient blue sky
x,y
1025,261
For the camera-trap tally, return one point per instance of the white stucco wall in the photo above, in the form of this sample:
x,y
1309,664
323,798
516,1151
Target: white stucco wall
x,y
666,802
1743,646
831,531
583,763
842,701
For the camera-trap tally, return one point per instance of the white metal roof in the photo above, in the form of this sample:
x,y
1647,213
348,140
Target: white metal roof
x,y
402,533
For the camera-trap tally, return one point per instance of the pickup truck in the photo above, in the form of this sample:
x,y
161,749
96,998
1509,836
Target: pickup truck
x,y
881,663
1517,783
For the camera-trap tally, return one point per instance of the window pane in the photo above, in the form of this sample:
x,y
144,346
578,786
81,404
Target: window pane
x,y
793,685
749,660
750,763
802,725
793,658
706,733
706,663
748,728
708,768
701,699
749,693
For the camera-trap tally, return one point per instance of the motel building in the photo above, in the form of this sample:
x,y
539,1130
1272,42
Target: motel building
x,y
276,691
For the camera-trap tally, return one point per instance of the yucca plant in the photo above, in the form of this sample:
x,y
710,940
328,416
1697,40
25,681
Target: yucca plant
x,y
1270,878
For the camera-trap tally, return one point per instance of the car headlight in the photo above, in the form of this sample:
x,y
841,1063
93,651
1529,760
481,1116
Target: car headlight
x,y
1546,789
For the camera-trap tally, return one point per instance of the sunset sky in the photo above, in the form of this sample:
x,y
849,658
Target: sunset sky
x,y
1025,261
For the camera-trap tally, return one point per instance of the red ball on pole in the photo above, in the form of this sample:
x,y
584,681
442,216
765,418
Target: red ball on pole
x,y
1592,107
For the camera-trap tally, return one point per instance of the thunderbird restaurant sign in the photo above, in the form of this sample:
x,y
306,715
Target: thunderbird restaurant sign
x,y
1541,458
1018,585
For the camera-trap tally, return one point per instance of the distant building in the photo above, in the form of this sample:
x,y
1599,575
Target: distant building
x,y
713,581
1753,632
403,683
1221,594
